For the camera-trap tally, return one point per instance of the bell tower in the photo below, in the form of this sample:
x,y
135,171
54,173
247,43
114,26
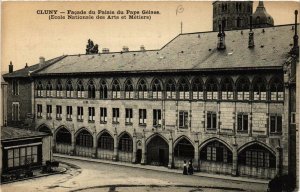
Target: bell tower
x,y
234,14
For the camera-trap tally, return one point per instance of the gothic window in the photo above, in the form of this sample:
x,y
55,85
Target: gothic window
x,y
257,156
128,90
84,139
39,89
116,90
58,89
227,89
49,89
103,90
217,152
156,89
63,136
91,90
69,89
197,88
171,89
243,88
211,89
184,90
259,89
276,89
142,90
80,89
106,141
125,143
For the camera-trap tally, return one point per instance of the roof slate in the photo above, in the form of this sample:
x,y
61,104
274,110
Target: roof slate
x,y
8,133
25,72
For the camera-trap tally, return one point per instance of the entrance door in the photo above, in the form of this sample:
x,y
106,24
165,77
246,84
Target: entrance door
x,y
161,155
138,156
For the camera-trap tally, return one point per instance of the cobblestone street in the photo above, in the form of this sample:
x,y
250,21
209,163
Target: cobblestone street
x,y
90,176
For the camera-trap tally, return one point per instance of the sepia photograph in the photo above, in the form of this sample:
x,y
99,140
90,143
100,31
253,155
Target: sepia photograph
x,y
134,96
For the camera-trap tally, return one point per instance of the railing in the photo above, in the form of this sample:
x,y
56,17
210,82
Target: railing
x,y
84,151
125,156
63,148
105,154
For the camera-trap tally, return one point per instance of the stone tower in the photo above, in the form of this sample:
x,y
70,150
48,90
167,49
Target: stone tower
x,y
235,14
261,18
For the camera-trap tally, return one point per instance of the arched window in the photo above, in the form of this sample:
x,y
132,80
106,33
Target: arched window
x,y
197,88
171,89
183,88
227,89
257,156
63,136
128,90
91,90
106,141
125,143
69,89
39,89
243,88
142,89
184,149
217,152
58,89
84,139
211,89
80,90
276,89
116,90
103,90
49,89
156,89
259,89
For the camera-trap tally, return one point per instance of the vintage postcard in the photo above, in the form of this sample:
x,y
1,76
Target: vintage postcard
x,y
149,96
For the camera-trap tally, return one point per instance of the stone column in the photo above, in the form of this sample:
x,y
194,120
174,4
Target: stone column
x,y
134,147
196,157
73,142
171,155
234,171
115,157
278,160
94,155
144,150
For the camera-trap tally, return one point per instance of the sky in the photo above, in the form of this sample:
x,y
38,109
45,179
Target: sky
x,y
27,35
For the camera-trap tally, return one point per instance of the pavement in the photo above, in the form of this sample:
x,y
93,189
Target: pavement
x,y
164,169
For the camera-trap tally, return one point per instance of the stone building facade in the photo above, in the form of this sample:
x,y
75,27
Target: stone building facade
x,y
224,103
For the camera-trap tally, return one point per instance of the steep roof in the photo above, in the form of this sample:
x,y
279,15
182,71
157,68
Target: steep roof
x,y
9,133
25,72
190,52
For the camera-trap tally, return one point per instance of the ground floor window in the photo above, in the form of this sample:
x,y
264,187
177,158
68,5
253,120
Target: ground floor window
x,y
257,156
216,151
22,156
184,149
106,142
63,136
125,143
84,139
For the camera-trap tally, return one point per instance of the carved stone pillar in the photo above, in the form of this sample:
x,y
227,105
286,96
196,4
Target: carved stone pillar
x,y
134,147
278,160
144,150
234,171
171,155
115,156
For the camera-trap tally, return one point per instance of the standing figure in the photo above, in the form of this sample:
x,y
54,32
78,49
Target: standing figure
x,y
191,168
184,168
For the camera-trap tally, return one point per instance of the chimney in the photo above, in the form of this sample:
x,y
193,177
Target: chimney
x,y
142,48
221,37
26,65
251,35
10,67
125,49
295,49
42,61
105,50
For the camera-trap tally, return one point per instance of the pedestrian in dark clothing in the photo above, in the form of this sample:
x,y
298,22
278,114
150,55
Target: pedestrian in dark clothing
x,y
184,168
190,168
